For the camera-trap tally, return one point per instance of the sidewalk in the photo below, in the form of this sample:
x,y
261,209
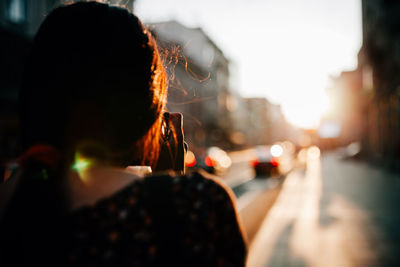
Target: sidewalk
x,y
334,213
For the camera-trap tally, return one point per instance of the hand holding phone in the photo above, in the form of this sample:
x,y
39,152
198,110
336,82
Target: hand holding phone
x,y
173,148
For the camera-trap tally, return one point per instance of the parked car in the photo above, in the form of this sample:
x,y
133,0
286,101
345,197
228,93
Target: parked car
x,y
213,160
264,163
273,160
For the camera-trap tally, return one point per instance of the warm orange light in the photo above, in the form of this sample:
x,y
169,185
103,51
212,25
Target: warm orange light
x,y
274,162
313,153
209,161
190,159
255,163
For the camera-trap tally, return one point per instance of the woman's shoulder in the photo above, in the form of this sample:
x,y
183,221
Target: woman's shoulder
x,y
198,179
171,216
196,195
198,217
194,183
163,187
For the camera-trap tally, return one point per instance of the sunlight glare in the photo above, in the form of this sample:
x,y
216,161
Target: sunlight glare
x,y
308,111
290,51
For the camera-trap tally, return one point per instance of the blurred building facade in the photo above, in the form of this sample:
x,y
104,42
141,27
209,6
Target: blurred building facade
x,y
214,113
367,100
344,122
23,16
261,122
199,84
19,21
379,65
256,125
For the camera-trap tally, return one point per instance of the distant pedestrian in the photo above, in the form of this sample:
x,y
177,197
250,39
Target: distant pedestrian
x,y
92,104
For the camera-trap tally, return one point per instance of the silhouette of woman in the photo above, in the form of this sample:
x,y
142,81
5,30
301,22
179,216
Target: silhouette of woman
x,y
92,103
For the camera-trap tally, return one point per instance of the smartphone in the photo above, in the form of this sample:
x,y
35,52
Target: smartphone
x,y
173,147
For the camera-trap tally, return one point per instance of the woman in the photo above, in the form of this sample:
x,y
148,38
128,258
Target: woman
x,y
92,104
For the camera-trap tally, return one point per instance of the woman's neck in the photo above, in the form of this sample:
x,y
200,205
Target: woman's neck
x,y
87,187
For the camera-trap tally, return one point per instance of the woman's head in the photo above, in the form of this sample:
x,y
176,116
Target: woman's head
x,y
94,81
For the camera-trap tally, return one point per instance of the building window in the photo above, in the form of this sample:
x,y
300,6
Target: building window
x,y
16,11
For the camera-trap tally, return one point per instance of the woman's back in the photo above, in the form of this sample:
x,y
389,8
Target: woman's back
x,y
93,98
159,220
154,221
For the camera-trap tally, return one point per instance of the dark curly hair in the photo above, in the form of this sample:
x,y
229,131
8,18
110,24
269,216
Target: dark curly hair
x,y
94,82
94,78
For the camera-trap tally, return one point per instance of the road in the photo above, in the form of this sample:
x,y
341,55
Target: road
x,y
335,212
240,170
254,196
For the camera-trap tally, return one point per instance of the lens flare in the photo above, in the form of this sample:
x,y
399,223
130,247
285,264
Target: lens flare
x,y
81,164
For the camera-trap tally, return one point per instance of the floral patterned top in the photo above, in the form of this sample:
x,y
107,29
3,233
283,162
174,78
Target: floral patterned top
x,y
159,221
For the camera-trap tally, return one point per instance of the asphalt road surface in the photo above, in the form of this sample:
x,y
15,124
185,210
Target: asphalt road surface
x,y
335,212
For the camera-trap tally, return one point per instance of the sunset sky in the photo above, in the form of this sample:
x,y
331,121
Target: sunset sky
x,y
284,50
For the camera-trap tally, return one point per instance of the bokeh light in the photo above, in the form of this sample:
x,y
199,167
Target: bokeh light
x,y
276,150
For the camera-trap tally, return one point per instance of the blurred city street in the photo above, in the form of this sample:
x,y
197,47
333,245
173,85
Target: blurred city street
x,y
295,105
334,212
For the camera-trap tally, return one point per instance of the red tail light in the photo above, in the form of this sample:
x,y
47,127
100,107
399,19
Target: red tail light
x,y
191,163
209,161
274,162
190,159
255,163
